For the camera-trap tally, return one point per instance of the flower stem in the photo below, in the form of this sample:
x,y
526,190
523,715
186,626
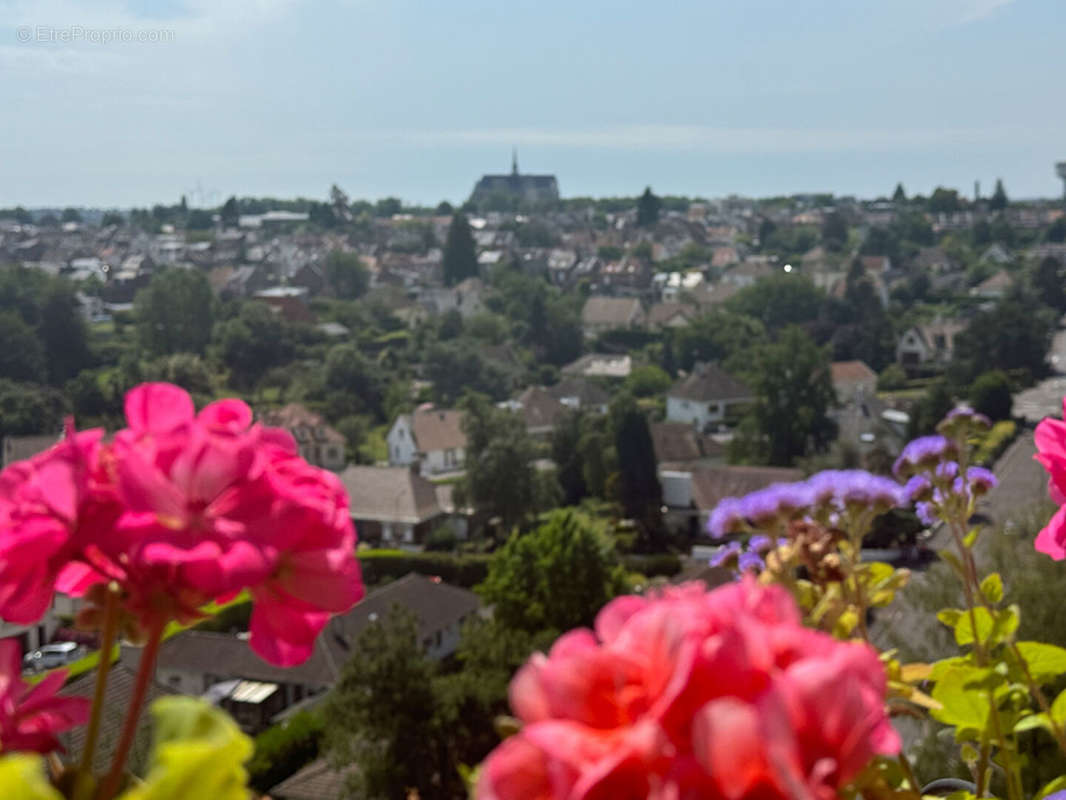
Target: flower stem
x,y
1040,697
107,643
129,729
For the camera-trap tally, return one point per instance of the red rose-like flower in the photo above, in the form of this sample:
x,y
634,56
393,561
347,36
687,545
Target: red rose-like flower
x,y
694,694
31,716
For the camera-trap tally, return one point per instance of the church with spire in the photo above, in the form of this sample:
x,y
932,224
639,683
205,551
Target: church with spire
x,y
515,191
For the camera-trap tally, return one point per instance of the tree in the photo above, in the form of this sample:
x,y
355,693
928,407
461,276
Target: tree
x,y
930,409
252,343
1049,281
647,381
460,257
566,453
899,196
648,207
454,368
70,215
175,313
444,209
199,220
499,479
556,577
779,300
230,214
347,276
62,333
998,201
991,395
944,201
112,218
352,384
1014,335
383,715
639,490
835,231
1056,232
21,355
795,392
27,408
388,207
722,336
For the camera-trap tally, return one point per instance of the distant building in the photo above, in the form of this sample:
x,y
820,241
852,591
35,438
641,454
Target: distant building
x,y
432,437
515,190
319,444
394,505
707,396
602,314
933,342
853,379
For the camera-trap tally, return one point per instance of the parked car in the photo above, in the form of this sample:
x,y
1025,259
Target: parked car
x,y
53,655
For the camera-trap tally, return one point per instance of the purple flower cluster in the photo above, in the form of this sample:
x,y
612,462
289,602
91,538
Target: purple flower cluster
x,y
922,453
746,559
963,420
951,488
832,490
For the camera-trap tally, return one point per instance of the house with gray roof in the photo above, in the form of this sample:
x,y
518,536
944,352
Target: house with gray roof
x,y
393,505
707,396
602,314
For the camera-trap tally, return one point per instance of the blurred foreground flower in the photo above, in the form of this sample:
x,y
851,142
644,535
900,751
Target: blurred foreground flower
x,y
692,693
31,716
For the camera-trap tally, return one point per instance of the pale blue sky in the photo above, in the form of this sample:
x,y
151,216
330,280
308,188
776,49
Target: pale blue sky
x,y
417,98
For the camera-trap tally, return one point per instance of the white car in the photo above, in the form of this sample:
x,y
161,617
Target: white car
x,y
50,656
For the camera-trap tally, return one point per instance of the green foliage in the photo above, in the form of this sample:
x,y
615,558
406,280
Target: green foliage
x,y
1049,282
500,480
638,488
27,408
1014,335
460,257
892,377
252,343
648,207
386,716
653,565
461,570
944,201
778,301
282,749
721,336
557,576
346,275
197,749
22,777
991,395
21,356
795,393
930,409
834,231
175,313
455,368
352,383
998,201
647,381
995,442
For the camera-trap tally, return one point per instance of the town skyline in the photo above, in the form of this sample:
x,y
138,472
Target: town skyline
x,y
756,99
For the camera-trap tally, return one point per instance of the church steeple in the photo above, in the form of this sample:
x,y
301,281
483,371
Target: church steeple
x,y
514,160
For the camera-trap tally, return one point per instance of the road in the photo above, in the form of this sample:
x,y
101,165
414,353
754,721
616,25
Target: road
x,y
1045,399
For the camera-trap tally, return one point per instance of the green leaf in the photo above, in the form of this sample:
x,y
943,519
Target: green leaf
x,y
971,537
963,704
1006,623
1056,785
964,628
1058,708
952,559
1032,722
1045,661
22,778
198,752
992,588
950,616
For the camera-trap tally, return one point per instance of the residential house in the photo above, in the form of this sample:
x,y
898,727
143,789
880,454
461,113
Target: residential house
x,y
600,365
707,396
540,411
933,342
669,315
935,260
317,781
747,274
465,297
996,253
994,287
393,505
629,274
581,394
561,264
853,379
431,437
319,443
290,302
678,445
673,286
690,495
602,314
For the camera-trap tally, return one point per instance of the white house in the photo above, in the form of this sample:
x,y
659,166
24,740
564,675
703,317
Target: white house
x,y
934,342
709,395
431,436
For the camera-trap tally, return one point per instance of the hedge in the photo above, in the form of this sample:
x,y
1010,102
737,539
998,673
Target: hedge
x,y
465,570
283,749
995,442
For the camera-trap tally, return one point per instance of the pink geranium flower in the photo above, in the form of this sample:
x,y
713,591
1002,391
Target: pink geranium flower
x,y
179,510
693,693
31,716
1050,438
